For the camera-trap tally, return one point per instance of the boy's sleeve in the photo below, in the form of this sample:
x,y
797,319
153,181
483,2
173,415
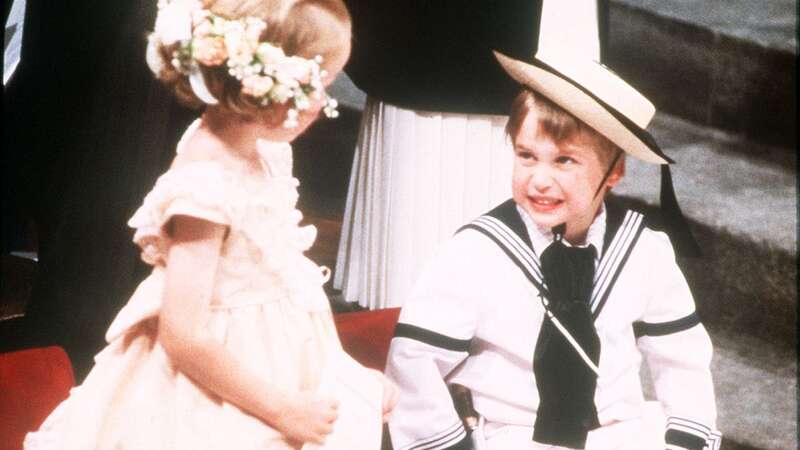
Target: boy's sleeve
x,y
432,338
678,352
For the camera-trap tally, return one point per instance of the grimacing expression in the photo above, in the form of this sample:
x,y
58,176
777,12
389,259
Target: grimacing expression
x,y
555,182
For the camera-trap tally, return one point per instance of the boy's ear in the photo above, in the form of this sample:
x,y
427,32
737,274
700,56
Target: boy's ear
x,y
617,173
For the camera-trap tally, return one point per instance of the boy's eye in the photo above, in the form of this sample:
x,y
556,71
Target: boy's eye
x,y
565,160
524,154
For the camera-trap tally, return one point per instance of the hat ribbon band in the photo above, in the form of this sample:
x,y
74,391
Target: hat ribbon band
x,y
637,131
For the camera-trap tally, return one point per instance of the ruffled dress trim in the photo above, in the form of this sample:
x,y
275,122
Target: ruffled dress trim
x,y
210,191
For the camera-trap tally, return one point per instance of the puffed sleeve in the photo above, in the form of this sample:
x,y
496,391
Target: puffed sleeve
x,y
200,190
678,352
197,190
433,336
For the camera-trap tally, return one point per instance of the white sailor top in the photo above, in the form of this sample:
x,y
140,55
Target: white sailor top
x,y
474,316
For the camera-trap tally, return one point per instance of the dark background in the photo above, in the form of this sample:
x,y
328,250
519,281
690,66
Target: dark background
x,y
86,130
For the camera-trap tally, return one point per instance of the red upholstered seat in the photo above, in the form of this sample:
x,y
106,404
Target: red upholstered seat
x,y
32,383
365,335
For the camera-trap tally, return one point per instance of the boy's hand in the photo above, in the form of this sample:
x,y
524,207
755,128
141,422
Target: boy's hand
x,y
391,393
309,417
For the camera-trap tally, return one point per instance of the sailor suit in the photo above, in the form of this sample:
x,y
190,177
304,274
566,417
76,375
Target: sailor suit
x,y
475,315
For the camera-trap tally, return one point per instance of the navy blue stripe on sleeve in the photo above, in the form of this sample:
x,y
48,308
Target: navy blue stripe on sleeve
x,y
684,440
431,338
664,328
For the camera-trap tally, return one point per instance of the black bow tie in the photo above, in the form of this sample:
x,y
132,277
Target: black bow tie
x,y
566,384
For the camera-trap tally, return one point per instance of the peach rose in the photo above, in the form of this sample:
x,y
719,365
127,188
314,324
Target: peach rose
x,y
209,51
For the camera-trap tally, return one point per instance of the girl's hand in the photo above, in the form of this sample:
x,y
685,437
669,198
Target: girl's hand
x,y
390,394
308,417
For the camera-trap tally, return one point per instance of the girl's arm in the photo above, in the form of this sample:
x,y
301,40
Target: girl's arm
x,y
191,267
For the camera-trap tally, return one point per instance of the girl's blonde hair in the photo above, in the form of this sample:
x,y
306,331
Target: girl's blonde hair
x,y
304,28
555,122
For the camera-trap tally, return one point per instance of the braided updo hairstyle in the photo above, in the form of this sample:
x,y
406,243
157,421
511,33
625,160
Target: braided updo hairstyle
x,y
304,28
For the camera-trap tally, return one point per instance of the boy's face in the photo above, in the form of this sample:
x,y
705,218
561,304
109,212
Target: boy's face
x,y
555,182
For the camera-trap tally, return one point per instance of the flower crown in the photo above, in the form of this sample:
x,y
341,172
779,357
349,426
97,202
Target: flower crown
x,y
266,74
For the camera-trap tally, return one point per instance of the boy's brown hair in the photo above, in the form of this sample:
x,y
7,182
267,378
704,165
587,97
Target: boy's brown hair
x,y
555,122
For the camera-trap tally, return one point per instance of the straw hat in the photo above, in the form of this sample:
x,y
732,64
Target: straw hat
x,y
595,95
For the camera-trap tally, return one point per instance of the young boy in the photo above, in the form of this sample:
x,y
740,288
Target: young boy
x,y
544,307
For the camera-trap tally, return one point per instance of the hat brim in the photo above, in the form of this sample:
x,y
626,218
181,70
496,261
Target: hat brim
x,y
581,103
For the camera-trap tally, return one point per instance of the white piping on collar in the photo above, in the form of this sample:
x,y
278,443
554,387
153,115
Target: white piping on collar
x,y
541,238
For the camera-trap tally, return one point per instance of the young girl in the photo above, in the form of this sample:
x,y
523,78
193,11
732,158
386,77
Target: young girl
x,y
230,343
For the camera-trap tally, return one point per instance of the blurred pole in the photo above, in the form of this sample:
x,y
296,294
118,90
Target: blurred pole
x,y
12,43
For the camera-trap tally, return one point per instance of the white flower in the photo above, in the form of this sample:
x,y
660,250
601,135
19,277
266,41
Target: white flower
x,y
237,45
253,29
199,16
301,101
257,86
216,26
203,28
153,56
330,108
285,79
236,72
296,68
280,93
174,22
269,54
230,27
291,119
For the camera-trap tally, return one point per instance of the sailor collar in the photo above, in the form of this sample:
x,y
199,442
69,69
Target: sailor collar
x,y
541,238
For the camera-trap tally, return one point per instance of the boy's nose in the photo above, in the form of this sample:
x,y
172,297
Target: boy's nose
x,y
541,180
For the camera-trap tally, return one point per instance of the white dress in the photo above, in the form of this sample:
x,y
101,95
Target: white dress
x,y
267,308
417,176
